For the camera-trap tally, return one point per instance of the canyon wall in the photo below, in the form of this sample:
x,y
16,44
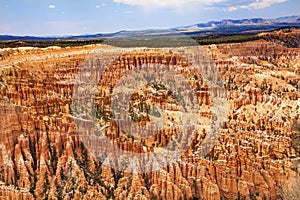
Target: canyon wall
x,y
43,157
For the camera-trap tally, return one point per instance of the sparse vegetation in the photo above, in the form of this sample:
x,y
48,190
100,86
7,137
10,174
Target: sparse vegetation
x,y
154,43
48,43
225,39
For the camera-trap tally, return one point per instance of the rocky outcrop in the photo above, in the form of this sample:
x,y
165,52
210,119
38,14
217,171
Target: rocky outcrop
x,y
42,155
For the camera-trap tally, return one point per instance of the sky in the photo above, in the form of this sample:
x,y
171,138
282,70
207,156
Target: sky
x,y
76,17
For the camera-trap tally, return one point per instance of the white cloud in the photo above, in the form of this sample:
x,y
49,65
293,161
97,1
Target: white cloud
x,y
258,4
166,3
128,12
51,6
228,5
101,5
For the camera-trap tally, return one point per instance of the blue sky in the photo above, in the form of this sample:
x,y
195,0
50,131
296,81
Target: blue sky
x,y
66,17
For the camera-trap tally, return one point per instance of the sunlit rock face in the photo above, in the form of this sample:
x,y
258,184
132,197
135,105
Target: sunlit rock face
x,y
42,154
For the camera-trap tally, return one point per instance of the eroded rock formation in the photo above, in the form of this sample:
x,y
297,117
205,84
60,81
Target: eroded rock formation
x,y
42,155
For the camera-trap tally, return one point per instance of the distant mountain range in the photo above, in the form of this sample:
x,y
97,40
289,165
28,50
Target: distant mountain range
x,y
229,26
224,27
